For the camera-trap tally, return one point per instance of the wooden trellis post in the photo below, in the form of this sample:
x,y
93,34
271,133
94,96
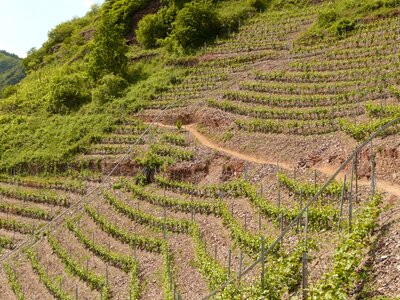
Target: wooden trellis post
x,y
229,262
351,195
356,176
305,261
373,182
240,265
279,198
342,201
315,179
262,262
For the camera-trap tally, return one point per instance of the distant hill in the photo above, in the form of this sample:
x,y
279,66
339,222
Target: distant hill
x,y
11,69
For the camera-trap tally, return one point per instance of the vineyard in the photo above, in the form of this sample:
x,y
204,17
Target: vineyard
x,y
251,176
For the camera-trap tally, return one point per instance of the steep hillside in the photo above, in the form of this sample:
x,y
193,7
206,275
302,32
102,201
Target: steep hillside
x,y
11,70
191,158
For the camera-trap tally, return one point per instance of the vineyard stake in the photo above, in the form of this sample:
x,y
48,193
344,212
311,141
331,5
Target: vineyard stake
x,y
373,183
107,273
301,199
341,201
305,275
240,265
279,198
229,262
165,223
262,262
356,176
351,195
315,179
305,260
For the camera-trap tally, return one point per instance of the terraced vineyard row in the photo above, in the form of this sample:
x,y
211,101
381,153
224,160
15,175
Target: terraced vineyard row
x,y
152,236
148,212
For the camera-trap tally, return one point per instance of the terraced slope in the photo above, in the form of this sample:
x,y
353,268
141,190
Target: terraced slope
x,y
263,92
187,209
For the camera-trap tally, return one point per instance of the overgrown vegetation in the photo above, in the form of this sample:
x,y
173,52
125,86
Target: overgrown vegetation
x,y
340,18
11,72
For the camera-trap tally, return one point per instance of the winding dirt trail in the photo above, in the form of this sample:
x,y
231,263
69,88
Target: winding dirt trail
x,y
387,187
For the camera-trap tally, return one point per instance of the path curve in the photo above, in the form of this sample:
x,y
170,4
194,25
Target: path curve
x,y
387,187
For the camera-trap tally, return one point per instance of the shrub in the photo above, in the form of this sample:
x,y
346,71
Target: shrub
x,y
195,23
258,4
178,124
122,11
68,92
327,17
149,30
8,91
155,26
342,27
109,51
111,87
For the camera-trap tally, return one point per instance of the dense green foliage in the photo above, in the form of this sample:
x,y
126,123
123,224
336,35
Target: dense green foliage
x,y
108,55
110,87
154,27
85,75
339,19
195,23
42,142
121,11
68,92
11,70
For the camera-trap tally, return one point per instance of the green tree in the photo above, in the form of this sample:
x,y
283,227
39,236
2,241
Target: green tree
x,y
108,55
155,26
196,23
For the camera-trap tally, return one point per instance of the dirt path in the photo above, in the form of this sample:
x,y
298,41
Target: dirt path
x,y
389,188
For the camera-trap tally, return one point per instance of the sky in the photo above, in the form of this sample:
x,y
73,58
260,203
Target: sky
x,y
25,23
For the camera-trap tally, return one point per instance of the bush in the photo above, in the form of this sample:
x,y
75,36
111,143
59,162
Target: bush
x,y
327,17
122,11
343,27
149,30
111,87
155,26
68,92
8,91
258,4
195,23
